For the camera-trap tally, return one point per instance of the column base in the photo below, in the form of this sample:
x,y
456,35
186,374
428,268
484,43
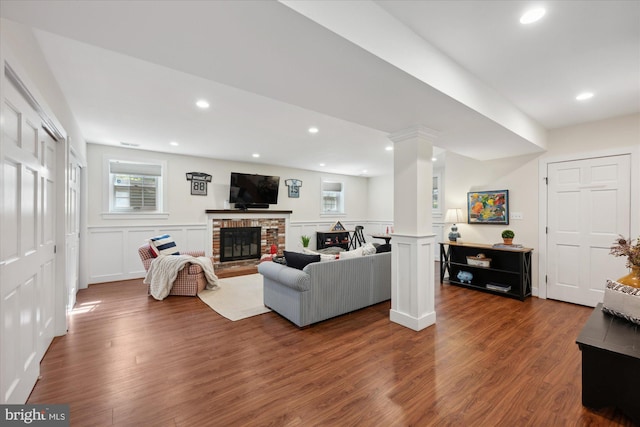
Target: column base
x,y
408,321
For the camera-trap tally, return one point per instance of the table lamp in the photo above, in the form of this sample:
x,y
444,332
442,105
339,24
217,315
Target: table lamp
x,y
453,216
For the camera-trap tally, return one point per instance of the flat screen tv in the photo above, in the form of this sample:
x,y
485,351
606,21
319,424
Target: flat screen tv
x,y
253,191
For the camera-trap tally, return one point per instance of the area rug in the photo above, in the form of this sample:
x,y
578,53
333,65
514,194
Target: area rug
x,y
237,298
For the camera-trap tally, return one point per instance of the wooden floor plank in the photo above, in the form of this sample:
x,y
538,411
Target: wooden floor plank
x,y
129,360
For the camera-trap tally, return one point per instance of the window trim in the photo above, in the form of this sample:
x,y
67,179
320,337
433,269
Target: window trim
x,y
161,211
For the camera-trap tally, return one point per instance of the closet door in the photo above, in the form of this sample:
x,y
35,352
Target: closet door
x,y
27,245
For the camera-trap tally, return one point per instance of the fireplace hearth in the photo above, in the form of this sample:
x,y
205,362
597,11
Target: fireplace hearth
x,y
239,243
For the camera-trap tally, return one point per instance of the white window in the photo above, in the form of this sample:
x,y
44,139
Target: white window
x,y
332,197
135,187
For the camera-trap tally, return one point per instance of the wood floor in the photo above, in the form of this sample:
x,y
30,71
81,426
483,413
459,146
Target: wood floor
x,y
129,360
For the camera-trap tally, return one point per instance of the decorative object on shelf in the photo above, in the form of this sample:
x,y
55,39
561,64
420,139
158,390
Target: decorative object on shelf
x,y
488,207
624,247
274,249
337,227
454,216
464,276
294,188
198,183
305,241
507,237
480,260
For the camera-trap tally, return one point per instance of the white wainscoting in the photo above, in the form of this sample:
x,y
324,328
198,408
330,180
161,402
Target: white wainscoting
x,y
113,250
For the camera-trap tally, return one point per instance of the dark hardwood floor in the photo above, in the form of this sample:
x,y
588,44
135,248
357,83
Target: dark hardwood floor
x,y
129,360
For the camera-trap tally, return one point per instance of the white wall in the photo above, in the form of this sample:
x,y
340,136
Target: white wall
x,y
187,209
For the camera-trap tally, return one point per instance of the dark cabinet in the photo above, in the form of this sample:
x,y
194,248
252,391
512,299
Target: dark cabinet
x,y
508,272
328,239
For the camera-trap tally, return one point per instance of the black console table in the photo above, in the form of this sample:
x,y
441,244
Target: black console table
x,y
327,239
610,349
509,273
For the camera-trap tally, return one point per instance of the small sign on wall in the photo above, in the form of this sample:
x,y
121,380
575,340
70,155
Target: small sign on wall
x,y
199,182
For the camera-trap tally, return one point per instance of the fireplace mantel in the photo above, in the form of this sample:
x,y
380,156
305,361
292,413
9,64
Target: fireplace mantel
x,y
252,212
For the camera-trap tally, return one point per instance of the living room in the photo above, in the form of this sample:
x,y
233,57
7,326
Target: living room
x,y
370,200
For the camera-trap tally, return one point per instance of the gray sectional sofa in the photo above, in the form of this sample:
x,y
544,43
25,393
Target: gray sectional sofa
x,y
326,289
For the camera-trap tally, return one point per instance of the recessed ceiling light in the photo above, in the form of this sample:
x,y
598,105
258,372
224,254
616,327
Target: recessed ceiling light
x,y
433,159
364,171
389,148
584,96
322,164
201,103
313,129
533,15
175,144
256,155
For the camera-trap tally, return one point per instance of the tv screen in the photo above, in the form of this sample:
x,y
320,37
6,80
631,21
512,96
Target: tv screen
x,y
247,190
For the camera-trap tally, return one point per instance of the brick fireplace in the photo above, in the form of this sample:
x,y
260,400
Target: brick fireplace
x,y
273,231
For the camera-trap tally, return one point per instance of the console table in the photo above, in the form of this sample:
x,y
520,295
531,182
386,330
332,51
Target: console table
x,y
610,349
509,273
326,239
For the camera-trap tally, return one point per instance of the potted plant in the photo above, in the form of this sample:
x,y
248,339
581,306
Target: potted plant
x,y
507,236
305,241
625,247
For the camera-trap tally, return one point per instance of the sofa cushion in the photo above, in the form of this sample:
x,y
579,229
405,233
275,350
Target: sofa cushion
x,y
298,260
356,253
323,257
163,245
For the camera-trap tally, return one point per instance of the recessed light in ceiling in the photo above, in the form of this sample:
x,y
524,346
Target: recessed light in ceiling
x,y
313,129
256,155
584,96
201,103
433,159
322,164
175,144
389,148
364,171
533,15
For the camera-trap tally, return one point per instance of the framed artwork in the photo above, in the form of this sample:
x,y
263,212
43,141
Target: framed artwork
x,y
488,207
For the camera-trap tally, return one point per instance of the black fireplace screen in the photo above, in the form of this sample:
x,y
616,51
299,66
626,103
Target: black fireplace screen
x,y
239,243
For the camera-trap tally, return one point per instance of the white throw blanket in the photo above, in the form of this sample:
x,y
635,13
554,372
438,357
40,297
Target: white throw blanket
x,y
165,268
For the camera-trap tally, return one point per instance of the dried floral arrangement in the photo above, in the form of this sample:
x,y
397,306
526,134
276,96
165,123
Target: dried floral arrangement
x,y
624,247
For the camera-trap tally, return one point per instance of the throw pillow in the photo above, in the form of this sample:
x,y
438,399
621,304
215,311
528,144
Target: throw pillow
x,y
298,260
383,248
622,301
368,249
163,245
356,253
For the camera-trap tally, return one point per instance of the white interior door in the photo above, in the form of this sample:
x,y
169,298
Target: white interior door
x,y
27,245
588,207
72,271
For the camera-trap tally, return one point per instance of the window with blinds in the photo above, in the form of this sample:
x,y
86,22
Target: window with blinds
x,y
134,186
332,197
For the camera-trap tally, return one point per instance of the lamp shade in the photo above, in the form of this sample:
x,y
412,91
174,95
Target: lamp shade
x,y
453,216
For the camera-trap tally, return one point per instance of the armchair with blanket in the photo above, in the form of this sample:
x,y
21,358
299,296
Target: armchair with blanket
x,y
189,280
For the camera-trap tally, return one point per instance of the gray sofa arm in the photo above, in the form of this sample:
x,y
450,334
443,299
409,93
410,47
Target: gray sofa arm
x,y
287,276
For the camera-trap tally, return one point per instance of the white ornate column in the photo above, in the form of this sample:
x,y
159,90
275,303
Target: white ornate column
x,y
412,266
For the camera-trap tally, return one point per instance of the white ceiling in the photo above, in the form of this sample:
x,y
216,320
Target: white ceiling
x,y
132,71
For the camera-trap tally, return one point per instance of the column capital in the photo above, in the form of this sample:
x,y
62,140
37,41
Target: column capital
x,y
418,131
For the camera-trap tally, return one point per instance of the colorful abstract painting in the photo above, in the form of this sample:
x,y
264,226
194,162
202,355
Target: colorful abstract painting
x,y
488,207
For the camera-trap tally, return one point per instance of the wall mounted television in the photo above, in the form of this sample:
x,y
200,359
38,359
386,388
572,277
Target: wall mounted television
x,y
253,191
